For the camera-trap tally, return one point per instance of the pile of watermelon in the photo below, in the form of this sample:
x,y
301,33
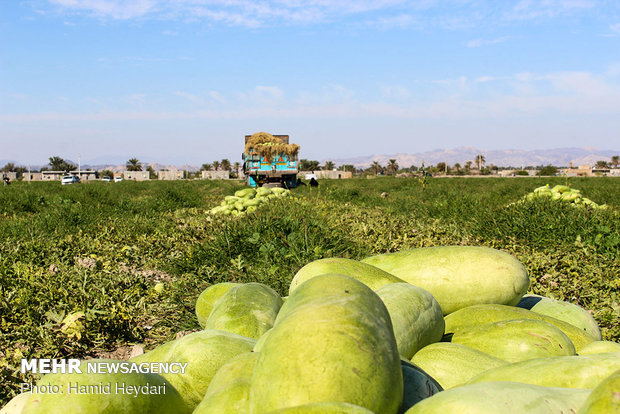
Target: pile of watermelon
x,y
564,193
248,200
428,330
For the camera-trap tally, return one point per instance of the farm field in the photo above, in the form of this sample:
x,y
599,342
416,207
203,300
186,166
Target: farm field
x,y
102,248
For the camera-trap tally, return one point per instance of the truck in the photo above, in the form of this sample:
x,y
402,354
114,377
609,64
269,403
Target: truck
x,y
270,161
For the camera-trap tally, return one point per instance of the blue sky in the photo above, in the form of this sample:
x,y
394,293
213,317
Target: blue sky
x,y
181,81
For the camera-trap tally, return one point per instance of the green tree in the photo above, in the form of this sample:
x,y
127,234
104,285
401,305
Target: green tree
x,y
225,164
615,161
375,168
237,167
216,165
307,165
329,166
21,171
106,173
347,167
152,173
206,167
392,167
601,164
548,170
9,167
133,165
480,160
442,167
58,164
468,165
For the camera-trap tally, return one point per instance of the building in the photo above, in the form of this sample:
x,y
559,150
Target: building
x,y
37,176
136,175
12,175
216,175
169,175
329,175
581,171
85,176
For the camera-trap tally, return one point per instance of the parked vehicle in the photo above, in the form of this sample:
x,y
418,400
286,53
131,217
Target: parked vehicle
x,y
70,179
118,179
106,179
270,161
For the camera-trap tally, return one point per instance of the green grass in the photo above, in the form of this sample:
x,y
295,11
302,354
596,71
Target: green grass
x,y
100,248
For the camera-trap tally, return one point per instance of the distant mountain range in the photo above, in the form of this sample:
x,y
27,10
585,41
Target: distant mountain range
x,y
559,157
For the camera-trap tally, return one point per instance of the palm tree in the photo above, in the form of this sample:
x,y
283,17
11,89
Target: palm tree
x,y
468,165
206,167
392,167
308,165
601,164
216,165
329,166
615,160
8,167
457,167
480,160
376,168
236,167
347,167
225,164
56,163
133,165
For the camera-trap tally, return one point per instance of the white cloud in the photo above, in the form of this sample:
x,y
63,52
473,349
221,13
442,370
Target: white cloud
x,y
216,96
483,42
190,97
397,21
535,9
395,92
116,9
486,78
450,14
18,96
570,94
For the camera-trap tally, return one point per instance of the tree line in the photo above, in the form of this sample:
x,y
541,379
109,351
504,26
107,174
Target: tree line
x,y
478,165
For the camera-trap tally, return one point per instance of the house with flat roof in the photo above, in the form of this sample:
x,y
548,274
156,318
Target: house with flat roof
x,y
215,175
170,175
136,175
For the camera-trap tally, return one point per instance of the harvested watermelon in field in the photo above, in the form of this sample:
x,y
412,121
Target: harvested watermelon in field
x,y
565,311
454,364
585,372
332,342
248,310
204,352
459,276
516,340
502,397
416,316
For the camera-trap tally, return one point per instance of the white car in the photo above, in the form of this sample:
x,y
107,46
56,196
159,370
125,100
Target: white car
x,y
70,179
106,179
118,179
